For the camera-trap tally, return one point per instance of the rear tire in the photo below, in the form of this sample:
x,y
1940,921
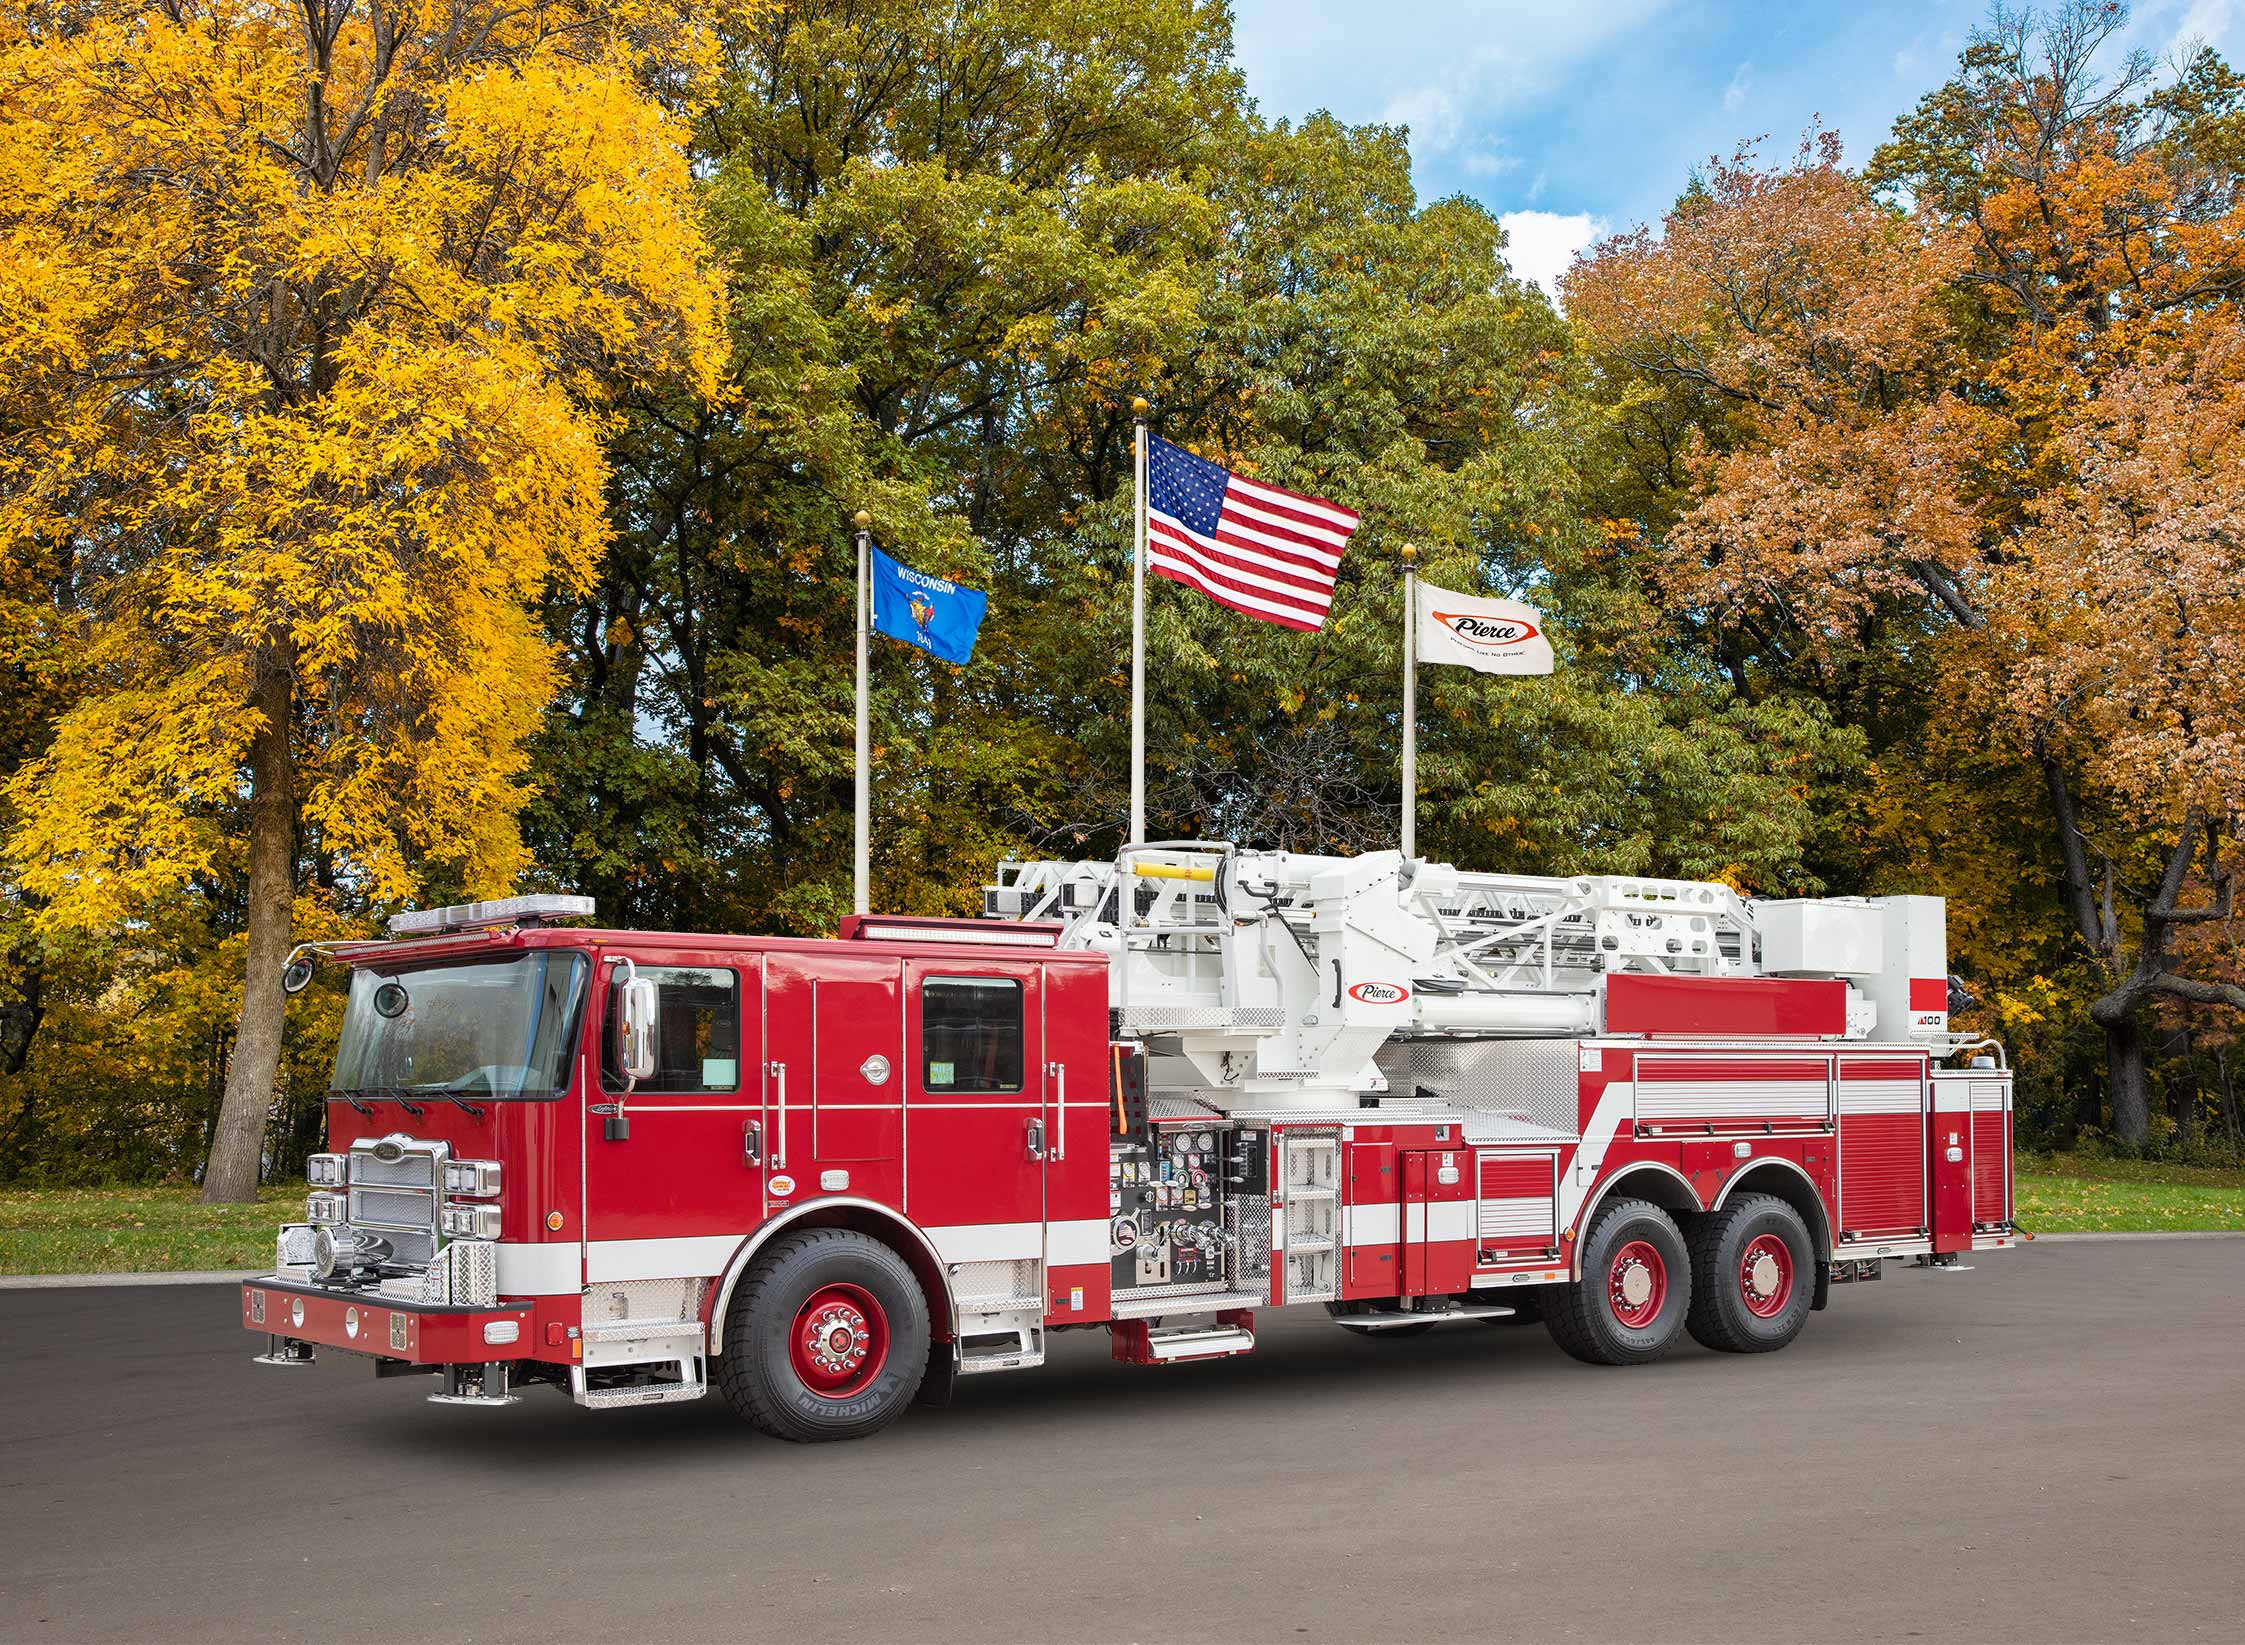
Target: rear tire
x,y
1753,1276
827,1338
1629,1307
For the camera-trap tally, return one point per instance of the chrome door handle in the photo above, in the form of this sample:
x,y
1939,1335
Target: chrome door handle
x,y
778,1072
752,1143
1036,1139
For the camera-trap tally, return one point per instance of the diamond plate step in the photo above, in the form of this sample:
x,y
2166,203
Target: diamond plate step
x,y
1205,1302
620,1330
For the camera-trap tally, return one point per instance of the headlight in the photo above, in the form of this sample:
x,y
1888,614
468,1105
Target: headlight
x,y
471,1221
324,1170
323,1209
471,1178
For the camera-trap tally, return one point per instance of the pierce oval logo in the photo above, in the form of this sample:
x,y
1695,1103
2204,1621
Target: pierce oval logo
x,y
1488,633
1379,993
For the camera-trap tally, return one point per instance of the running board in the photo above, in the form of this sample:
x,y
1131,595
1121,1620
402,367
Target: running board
x,y
1134,1342
1393,1318
1206,1302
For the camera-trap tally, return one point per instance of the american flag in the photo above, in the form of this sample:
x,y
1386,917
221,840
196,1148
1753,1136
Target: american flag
x,y
1270,553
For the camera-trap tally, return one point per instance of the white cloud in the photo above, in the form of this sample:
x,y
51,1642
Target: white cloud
x,y
1445,68
2204,22
1540,244
1734,94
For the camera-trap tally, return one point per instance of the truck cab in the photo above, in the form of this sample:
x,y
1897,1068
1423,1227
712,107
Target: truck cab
x,y
558,1151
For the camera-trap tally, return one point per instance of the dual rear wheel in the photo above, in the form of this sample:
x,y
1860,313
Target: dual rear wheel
x,y
1741,1281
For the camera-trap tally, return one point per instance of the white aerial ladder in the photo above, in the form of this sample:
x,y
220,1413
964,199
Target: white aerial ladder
x,y
1279,977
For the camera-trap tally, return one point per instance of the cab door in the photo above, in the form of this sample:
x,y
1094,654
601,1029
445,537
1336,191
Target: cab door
x,y
672,1177
833,1095
980,1119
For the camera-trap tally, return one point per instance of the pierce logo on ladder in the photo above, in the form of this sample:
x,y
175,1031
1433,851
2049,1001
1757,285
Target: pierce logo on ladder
x,y
1379,993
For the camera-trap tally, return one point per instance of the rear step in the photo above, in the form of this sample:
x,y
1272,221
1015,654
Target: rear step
x,y
1136,1342
1389,1319
1016,1347
692,1383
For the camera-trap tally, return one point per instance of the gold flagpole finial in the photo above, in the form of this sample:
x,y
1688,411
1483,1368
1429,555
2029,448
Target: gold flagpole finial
x,y
862,520
1139,407
1410,552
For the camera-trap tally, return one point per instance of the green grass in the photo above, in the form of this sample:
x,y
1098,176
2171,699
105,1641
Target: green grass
x,y
137,1230
119,1230
2079,1193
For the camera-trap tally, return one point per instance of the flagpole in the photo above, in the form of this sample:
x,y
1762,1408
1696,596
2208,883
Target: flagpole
x,y
1138,410
862,899
1410,703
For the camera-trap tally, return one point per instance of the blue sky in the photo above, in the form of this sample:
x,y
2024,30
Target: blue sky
x,y
1574,118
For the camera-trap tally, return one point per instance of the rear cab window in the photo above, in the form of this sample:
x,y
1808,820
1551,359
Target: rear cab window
x,y
971,1035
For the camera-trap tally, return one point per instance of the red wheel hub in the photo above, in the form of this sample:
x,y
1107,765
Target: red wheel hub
x,y
839,1341
1765,1275
1637,1284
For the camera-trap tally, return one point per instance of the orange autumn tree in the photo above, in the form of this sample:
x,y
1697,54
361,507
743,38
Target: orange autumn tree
x,y
310,315
1913,430
2126,622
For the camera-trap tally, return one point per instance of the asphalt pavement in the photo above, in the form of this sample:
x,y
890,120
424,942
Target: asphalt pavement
x,y
2045,1449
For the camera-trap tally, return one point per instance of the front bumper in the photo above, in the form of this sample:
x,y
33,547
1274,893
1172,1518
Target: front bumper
x,y
418,1333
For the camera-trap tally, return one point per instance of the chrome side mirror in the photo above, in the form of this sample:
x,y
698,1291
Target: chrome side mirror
x,y
638,1028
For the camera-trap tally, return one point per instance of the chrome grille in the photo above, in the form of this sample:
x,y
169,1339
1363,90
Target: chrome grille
x,y
415,1170
393,1208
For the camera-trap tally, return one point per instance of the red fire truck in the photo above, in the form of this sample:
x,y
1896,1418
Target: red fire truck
x,y
1150,1096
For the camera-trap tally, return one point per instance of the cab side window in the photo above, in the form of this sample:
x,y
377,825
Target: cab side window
x,y
970,1035
701,1032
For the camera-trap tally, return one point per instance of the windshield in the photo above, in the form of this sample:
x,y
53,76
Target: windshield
x,y
488,1028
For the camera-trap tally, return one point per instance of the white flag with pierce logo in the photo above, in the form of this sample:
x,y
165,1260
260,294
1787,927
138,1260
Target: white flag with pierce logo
x,y
1494,636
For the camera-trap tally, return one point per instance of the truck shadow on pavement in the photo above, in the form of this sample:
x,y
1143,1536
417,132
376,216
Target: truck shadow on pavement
x,y
1508,1374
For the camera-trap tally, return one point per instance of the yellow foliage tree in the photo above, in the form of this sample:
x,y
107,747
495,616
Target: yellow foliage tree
x,y
307,316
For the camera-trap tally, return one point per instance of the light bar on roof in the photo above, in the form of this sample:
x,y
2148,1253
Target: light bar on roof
x,y
535,909
874,928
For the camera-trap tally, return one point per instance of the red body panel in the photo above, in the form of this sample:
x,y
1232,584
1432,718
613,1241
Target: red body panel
x,y
1638,1004
1882,1145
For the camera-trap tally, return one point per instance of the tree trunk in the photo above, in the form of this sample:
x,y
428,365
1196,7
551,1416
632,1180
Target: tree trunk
x,y
238,1144
2124,1080
2229,1097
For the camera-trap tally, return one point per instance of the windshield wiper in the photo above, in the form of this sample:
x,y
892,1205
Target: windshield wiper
x,y
382,1093
471,1109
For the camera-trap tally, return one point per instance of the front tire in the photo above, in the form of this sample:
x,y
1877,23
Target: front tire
x,y
1629,1307
827,1338
1753,1276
